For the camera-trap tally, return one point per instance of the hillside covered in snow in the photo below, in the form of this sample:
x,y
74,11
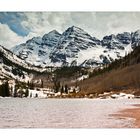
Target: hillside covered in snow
x,y
11,66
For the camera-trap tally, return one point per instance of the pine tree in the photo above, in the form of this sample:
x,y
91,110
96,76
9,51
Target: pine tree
x,y
4,90
62,89
66,89
28,84
56,86
7,92
0,90
26,92
32,85
74,91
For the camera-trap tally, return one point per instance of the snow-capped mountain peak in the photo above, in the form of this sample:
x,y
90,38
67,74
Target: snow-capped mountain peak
x,y
51,38
37,40
135,38
71,43
76,47
74,29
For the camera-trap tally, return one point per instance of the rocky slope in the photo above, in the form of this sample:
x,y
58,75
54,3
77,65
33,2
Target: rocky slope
x,y
12,66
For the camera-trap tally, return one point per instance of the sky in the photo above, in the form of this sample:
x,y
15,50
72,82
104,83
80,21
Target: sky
x,y
18,27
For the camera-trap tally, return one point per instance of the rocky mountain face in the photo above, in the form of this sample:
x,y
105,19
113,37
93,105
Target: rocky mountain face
x,y
70,46
12,66
36,51
76,47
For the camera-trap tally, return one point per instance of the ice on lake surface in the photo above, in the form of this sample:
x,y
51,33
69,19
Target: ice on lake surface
x,y
64,113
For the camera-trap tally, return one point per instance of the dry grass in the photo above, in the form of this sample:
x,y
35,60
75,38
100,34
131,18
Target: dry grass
x,y
120,79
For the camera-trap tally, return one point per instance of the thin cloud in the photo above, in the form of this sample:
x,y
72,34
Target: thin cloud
x,y
9,38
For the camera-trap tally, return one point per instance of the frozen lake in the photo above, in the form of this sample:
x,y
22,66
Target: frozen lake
x,y
64,113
